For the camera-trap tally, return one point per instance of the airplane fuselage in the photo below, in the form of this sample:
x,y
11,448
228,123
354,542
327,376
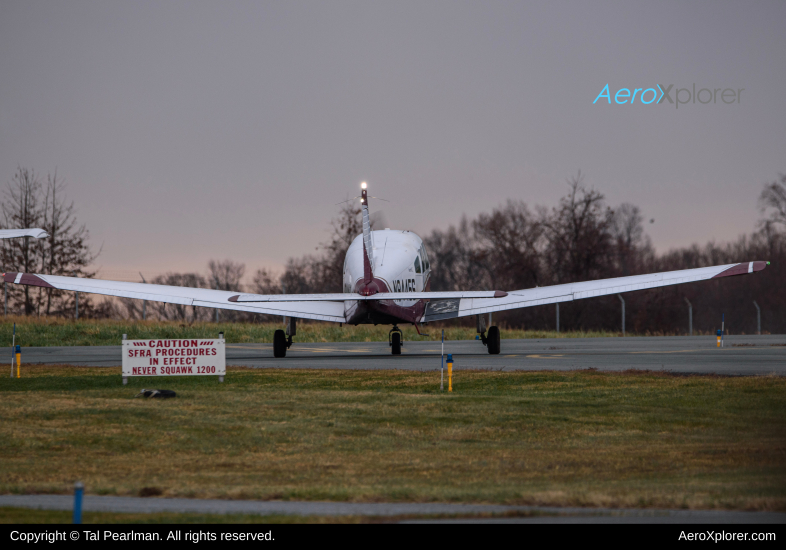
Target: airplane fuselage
x,y
400,264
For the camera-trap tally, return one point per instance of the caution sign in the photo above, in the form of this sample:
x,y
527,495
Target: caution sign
x,y
174,358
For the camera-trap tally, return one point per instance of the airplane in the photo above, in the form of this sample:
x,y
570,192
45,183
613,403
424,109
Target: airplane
x,y
386,280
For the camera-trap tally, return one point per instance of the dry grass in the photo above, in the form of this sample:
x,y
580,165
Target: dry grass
x,y
551,438
49,331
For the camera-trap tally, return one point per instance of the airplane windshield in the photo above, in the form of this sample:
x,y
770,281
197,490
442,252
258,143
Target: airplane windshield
x,y
417,264
424,255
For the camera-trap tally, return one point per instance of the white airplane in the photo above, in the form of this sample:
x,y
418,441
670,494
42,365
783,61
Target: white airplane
x,y
386,281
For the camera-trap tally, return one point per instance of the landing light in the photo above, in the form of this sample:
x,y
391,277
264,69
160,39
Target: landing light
x,y
363,185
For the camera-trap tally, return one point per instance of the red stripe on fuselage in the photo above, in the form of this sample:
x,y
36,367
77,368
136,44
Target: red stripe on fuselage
x,y
384,311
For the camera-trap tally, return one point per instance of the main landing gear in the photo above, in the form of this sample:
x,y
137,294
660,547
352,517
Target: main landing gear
x,y
491,341
395,338
283,340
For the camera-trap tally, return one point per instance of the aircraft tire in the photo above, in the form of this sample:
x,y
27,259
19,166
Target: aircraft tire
x,y
493,341
279,344
396,343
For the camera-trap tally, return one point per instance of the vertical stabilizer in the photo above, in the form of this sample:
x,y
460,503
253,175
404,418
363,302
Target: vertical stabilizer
x,y
368,249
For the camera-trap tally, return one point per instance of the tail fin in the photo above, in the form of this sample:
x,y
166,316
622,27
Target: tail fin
x,y
368,249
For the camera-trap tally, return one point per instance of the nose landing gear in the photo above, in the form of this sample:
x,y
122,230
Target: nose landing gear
x,y
395,338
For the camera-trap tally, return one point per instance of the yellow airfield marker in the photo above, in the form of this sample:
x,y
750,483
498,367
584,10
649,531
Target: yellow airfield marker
x,y
450,372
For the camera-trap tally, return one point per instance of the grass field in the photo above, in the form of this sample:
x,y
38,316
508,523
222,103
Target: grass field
x,y
553,438
44,331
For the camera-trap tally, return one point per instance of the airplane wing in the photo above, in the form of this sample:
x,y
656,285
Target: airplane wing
x,y
36,232
450,307
330,307
324,310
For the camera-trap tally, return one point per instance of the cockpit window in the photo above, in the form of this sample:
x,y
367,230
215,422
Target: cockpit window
x,y
424,255
417,265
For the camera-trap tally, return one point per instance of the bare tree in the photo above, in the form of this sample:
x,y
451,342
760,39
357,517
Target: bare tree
x,y
508,243
226,274
306,275
772,201
21,208
28,203
266,281
453,256
633,247
66,251
578,234
327,273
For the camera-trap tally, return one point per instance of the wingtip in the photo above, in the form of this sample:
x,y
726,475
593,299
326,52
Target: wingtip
x,y
743,268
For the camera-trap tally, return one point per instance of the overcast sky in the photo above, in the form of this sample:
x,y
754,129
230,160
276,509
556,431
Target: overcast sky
x,y
195,130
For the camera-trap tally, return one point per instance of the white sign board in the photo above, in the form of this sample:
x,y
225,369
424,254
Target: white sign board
x,y
192,357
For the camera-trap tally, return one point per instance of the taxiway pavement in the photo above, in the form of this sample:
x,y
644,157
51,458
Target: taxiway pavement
x,y
741,355
543,514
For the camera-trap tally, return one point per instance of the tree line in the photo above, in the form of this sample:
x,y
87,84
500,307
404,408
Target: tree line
x,y
514,246
582,238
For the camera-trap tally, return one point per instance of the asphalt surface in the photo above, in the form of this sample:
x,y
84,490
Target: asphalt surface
x,y
741,355
544,514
